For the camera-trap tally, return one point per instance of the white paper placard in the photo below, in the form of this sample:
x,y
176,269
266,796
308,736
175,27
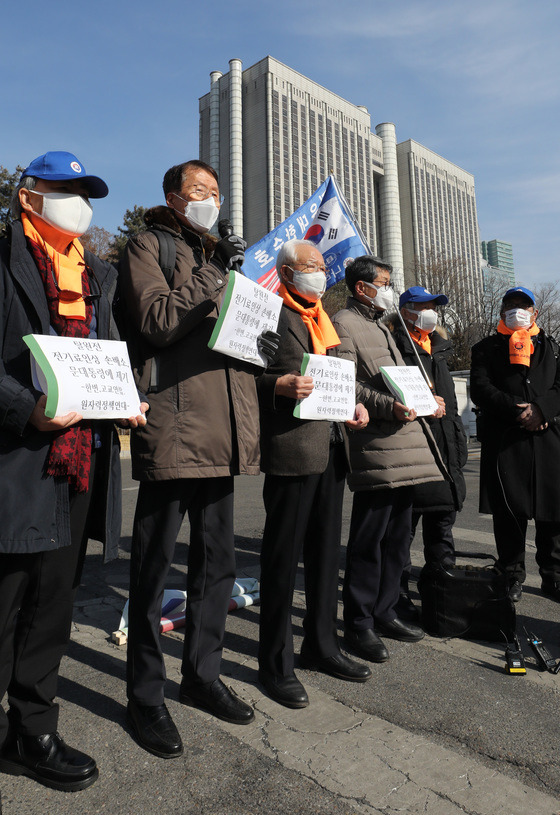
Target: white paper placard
x,y
91,377
334,389
247,310
408,386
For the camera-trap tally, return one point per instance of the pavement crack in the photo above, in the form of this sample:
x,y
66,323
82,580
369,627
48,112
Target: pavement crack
x,y
267,744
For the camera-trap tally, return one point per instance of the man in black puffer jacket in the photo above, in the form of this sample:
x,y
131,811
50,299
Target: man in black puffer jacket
x,y
437,503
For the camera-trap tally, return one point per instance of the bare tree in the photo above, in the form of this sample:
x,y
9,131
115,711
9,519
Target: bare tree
x,y
462,316
98,241
547,297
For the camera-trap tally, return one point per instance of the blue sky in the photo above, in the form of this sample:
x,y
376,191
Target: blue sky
x,y
117,83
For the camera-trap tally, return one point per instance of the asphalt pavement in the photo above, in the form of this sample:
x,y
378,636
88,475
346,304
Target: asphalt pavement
x,y
439,728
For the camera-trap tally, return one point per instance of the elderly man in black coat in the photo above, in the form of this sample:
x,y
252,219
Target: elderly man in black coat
x,y
305,464
60,477
515,382
436,503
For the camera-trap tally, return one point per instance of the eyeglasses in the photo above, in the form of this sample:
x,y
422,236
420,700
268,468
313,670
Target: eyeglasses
x,y
379,286
312,267
201,193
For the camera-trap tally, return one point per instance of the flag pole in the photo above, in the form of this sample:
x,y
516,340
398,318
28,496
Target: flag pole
x,y
350,213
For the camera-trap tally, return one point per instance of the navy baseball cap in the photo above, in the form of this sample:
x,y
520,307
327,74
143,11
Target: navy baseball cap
x,y
519,290
60,166
417,294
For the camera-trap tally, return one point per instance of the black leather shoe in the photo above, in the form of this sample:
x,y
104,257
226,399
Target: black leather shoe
x,y
399,630
550,589
48,760
405,608
218,699
286,690
516,591
338,665
155,729
366,644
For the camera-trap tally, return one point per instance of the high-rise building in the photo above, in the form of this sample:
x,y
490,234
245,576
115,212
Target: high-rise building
x,y
274,135
499,254
438,212
495,280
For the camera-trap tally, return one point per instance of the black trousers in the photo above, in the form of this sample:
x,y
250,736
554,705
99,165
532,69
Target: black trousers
x,y
510,533
160,510
301,512
378,547
437,537
37,592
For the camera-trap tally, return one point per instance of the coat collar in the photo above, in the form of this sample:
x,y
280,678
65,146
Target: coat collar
x,y
164,218
369,312
297,327
24,271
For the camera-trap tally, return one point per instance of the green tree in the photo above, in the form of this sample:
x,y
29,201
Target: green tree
x,y
133,223
8,183
335,298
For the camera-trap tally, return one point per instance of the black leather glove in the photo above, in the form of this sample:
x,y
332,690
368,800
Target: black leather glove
x,y
229,251
268,343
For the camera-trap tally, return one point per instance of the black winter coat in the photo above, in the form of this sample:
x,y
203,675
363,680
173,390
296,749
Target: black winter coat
x,y
291,446
521,465
448,431
34,510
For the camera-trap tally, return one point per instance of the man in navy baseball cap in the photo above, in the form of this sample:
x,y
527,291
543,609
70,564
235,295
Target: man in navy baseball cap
x,y
59,477
519,291
57,165
418,294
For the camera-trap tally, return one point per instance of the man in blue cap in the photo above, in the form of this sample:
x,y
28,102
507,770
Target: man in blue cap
x,y
436,503
515,382
59,477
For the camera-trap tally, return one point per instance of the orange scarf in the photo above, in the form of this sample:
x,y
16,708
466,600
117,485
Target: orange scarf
x,y
67,270
520,345
316,320
422,338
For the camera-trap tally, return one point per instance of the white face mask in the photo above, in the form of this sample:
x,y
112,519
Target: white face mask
x,y
427,319
383,299
70,214
311,285
518,318
201,215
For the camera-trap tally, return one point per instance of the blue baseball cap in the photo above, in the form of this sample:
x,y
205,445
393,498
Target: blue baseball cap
x,y
417,294
519,290
60,166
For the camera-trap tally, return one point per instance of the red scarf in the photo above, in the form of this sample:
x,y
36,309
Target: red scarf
x,y
70,450
316,320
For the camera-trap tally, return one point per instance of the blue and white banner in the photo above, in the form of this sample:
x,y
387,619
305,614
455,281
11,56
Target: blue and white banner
x,y
325,219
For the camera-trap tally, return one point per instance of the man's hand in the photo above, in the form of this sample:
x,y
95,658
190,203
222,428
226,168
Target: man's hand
x,y
361,418
294,386
135,421
402,413
531,418
441,407
43,423
229,251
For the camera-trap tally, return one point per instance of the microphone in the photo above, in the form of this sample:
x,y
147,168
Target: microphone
x,y
225,230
